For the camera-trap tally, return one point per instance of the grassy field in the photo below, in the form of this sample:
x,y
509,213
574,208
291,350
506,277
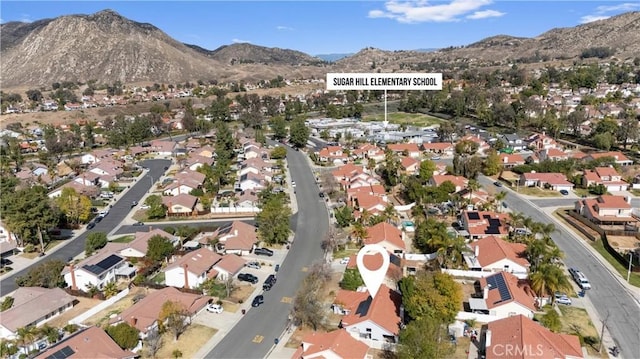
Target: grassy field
x,y
538,192
124,239
401,118
49,246
576,321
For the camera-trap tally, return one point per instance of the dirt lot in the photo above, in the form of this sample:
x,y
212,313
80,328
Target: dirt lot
x,y
189,342
103,316
83,305
576,321
623,243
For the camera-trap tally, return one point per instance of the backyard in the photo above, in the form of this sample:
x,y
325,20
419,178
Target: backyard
x,y
194,338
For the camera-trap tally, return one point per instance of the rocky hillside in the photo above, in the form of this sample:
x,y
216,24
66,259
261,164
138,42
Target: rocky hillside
x,y
107,47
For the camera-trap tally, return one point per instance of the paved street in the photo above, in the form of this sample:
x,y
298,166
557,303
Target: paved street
x,y
609,296
120,209
569,202
254,334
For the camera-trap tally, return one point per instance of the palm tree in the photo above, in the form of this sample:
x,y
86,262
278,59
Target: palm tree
x,y
110,289
473,185
365,216
50,333
390,214
548,279
359,232
26,336
499,197
536,250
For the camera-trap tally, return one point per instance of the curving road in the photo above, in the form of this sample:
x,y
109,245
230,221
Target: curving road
x,y
253,336
118,213
608,296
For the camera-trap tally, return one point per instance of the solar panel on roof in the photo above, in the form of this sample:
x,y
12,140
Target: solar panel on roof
x,y
62,353
473,215
93,269
502,287
109,262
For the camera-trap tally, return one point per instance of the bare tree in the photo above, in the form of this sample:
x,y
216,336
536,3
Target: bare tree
x,y
308,308
175,318
329,183
153,342
329,242
229,286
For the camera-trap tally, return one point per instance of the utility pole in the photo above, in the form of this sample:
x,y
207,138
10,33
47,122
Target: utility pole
x,y
630,263
604,322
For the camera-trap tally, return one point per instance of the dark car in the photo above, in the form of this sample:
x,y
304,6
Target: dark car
x,y
139,224
269,282
277,267
98,219
497,184
321,194
246,277
91,225
134,203
263,252
564,192
259,299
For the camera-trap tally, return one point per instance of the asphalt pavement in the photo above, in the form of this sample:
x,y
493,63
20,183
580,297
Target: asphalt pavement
x,y
570,202
121,208
253,336
611,299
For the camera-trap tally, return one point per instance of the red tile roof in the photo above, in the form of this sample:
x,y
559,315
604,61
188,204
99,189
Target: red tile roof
x,y
493,249
528,340
385,232
335,344
519,291
92,342
198,262
383,310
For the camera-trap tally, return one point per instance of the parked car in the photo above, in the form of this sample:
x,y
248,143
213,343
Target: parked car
x,y
145,206
246,277
435,158
134,203
263,252
344,260
269,282
91,225
259,299
293,184
497,184
254,265
564,192
321,194
98,219
139,223
276,268
215,308
562,298
580,278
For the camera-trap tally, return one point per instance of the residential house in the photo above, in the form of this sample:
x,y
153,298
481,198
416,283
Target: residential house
x,y
375,319
503,295
333,154
163,148
80,188
376,190
229,266
33,306
368,151
459,182
8,241
365,201
493,254
552,154
606,209
91,342
606,176
554,181
510,160
205,151
192,269
96,156
617,156
397,266
247,200
236,238
386,235
409,165
540,141
98,270
344,174
513,141
251,182
362,180
519,337
440,148
144,314
405,149
182,204
337,344
480,224
196,161
137,248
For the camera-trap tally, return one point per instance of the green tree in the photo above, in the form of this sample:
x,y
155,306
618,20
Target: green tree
x,y
344,216
159,248
351,279
27,213
273,220
279,128
426,338
6,303
46,275
124,335
156,208
425,172
430,235
548,279
492,165
431,295
110,289
278,153
299,133
551,321
95,241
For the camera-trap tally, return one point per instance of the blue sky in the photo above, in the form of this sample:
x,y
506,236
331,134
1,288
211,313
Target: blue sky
x,y
320,27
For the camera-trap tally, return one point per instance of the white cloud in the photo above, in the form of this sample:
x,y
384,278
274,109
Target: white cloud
x,y
284,28
414,11
485,14
592,18
605,11
26,18
238,41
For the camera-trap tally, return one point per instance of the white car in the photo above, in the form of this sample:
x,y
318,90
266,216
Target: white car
x,y
145,206
214,308
562,298
344,260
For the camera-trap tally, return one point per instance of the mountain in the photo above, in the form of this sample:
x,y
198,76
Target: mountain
x,y
333,57
108,47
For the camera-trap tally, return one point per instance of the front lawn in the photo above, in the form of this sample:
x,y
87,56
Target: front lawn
x,y
537,192
124,239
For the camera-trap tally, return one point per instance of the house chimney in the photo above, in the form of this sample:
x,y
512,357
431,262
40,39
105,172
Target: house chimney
x,y
150,228
485,293
133,321
487,338
73,277
477,250
628,199
235,232
186,276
